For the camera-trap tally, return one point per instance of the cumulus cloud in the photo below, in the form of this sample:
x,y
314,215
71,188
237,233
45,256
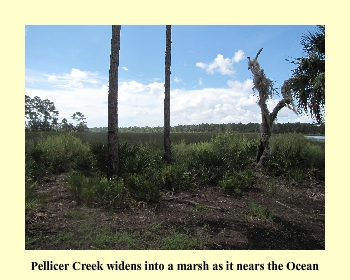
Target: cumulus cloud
x,y
219,64
239,55
222,65
77,74
214,105
142,104
124,68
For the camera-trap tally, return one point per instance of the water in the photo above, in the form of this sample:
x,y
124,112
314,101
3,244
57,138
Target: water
x,y
318,138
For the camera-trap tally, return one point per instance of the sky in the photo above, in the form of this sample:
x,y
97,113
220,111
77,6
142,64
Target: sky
x,y
210,80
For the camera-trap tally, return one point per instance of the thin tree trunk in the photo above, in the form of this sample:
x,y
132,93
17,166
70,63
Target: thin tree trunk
x,y
167,141
113,103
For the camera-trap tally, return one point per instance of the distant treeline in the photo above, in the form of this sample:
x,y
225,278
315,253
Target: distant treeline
x,y
304,128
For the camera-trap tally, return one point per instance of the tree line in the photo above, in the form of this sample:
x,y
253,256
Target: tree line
x,y
304,128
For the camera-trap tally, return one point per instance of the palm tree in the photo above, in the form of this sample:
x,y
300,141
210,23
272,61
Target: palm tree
x,y
167,141
113,103
308,79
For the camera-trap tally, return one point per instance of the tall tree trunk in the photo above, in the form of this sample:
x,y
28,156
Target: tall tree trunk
x,y
265,89
113,103
167,141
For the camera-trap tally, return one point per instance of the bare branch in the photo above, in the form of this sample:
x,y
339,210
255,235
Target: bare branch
x,y
278,107
256,57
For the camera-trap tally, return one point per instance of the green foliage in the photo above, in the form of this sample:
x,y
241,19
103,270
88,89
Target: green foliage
x,y
210,161
99,151
176,177
143,174
260,212
237,182
308,79
295,156
136,158
145,187
63,152
98,190
81,125
34,166
234,149
41,115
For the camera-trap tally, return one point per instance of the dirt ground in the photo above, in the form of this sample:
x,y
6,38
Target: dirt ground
x,y
286,216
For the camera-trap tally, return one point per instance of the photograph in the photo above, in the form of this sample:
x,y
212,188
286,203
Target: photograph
x,y
175,137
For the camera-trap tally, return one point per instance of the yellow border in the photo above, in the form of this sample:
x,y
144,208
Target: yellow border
x,y
16,262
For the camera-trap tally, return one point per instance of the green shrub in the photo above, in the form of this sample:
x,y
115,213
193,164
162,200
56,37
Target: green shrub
x,y
62,152
210,161
97,190
34,166
235,149
132,158
176,177
295,156
237,182
145,187
99,152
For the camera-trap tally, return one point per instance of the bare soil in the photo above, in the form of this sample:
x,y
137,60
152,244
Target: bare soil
x,y
206,219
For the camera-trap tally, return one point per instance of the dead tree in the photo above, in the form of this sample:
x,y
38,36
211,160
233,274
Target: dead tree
x,y
264,86
113,103
167,141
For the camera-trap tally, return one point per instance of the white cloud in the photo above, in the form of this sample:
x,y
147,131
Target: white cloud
x,y
141,104
239,55
222,65
52,78
77,74
219,64
124,68
213,105
76,78
90,101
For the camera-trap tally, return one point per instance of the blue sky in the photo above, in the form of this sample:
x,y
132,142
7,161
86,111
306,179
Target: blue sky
x,y
210,81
